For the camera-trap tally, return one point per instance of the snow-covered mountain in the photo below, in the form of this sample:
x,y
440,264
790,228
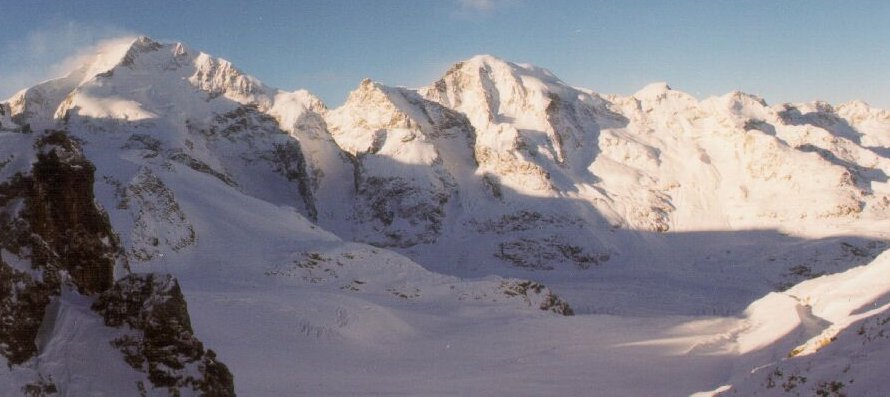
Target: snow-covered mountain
x,y
205,208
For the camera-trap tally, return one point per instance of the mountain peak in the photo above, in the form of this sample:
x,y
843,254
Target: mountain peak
x,y
486,59
496,66
366,89
111,53
742,97
140,45
143,41
368,84
372,97
128,52
653,90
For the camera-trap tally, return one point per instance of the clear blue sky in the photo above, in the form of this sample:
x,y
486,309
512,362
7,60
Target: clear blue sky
x,y
781,50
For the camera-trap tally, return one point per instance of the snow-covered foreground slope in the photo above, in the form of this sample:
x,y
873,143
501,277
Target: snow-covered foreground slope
x,y
841,324
426,241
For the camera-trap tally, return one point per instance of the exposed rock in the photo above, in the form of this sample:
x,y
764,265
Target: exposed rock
x,y
158,221
140,46
40,388
219,77
164,345
186,159
521,221
536,294
266,142
23,302
547,253
53,234
407,214
50,227
74,234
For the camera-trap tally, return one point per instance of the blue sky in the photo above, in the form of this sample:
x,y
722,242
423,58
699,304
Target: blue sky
x,y
781,50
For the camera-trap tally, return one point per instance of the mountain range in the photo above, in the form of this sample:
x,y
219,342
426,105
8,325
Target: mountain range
x,y
173,226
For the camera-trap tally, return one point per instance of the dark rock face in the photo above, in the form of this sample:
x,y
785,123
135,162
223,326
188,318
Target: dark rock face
x,y
53,234
49,219
23,302
167,348
536,294
389,200
269,143
76,236
545,253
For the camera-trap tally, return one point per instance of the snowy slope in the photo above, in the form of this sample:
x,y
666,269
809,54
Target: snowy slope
x,y
846,352
681,232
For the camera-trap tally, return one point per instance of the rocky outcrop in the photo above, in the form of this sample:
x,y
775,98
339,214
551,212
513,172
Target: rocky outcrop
x,y
163,344
547,253
158,221
23,301
74,234
404,213
536,295
54,237
243,138
52,232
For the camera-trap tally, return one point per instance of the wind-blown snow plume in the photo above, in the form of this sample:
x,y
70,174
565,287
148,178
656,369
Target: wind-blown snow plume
x,y
54,51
